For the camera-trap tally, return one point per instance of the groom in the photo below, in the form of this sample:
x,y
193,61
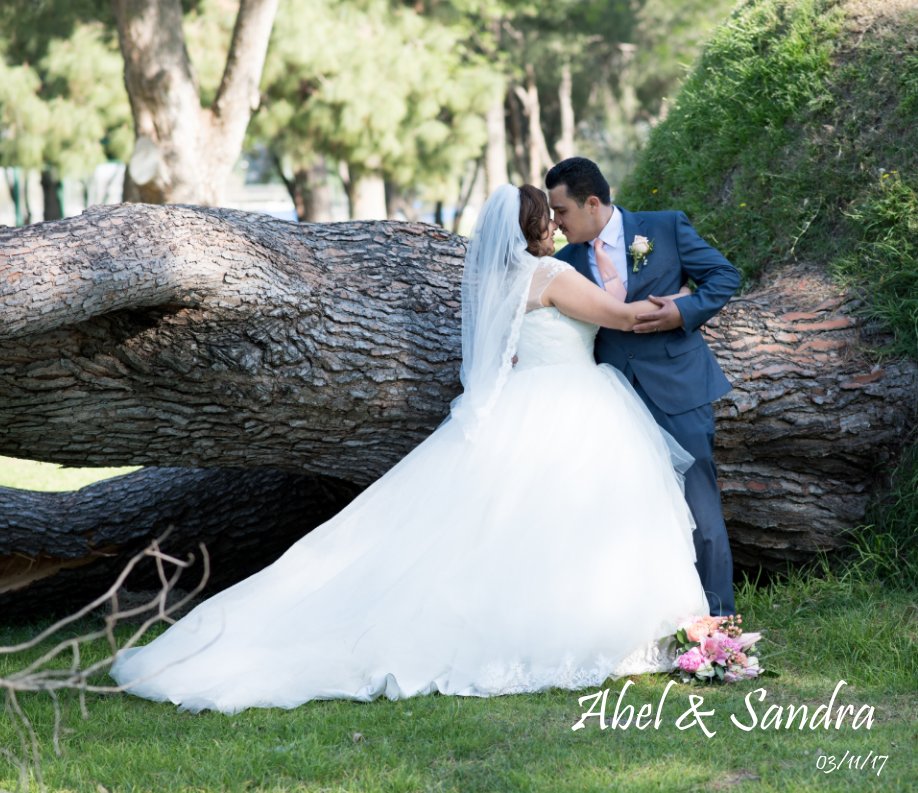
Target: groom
x,y
666,359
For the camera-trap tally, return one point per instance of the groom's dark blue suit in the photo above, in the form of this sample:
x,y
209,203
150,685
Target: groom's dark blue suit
x,y
675,372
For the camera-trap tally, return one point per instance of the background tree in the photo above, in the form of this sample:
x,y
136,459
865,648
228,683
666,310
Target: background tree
x,y
668,37
184,151
503,87
63,107
390,100
578,77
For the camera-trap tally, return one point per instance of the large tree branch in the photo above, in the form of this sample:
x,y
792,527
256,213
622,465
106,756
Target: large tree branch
x,y
815,422
165,102
196,337
238,96
58,550
209,337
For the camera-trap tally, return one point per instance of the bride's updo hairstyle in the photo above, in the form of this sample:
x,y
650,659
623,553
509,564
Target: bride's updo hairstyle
x,y
534,216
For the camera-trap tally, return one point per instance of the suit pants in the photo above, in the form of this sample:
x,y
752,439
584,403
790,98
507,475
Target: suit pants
x,y
694,431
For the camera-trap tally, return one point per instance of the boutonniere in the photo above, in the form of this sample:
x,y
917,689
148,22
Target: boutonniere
x,y
640,249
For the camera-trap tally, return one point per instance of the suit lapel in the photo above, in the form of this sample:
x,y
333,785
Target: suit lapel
x,y
633,226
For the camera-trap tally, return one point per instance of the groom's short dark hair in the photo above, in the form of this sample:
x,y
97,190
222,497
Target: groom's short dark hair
x,y
582,178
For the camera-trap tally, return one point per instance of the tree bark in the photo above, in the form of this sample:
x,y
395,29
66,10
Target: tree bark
x,y
211,338
61,550
309,190
367,195
496,147
814,424
183,152
538,157
565,145
50,187
465,194
188,336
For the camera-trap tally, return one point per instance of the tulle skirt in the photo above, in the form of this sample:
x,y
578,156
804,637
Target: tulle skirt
x,y
553,550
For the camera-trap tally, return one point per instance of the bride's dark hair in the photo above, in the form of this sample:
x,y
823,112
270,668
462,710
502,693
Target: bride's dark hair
x,y
534,216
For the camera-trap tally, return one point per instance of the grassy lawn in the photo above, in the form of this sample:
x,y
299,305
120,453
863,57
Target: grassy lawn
x,y
49,477
820,630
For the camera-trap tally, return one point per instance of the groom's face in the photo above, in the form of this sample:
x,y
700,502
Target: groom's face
x,y
577,223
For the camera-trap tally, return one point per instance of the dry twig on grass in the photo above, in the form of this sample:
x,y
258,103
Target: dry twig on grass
x,y
41,676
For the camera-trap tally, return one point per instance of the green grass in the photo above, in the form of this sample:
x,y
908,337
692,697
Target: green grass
x,y
886,547
883,264
50,477
820,628
854,620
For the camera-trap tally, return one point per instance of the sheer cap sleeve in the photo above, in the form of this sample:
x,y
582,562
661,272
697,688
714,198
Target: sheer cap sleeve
x,y
546,271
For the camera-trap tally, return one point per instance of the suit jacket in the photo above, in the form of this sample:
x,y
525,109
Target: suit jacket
x,y
676,368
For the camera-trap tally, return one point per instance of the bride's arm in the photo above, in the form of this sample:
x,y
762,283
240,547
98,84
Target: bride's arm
x,y
578,297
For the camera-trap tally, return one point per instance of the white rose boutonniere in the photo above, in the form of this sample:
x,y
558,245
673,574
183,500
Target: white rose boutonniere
x,y
640,249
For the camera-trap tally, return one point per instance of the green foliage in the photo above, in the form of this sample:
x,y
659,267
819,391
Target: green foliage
x,y
24,118
668,37
732,151
84,83
29,26
887,547
883,263
393,88
387,91
68,109
779,141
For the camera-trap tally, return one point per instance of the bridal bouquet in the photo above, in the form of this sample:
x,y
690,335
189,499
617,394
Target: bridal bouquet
x,y
715,649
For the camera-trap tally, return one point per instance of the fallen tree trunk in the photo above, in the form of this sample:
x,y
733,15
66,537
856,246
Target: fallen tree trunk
x,y
185,336
815,422
200,338
60,550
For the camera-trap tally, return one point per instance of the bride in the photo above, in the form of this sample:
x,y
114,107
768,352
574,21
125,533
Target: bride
x,y
539,538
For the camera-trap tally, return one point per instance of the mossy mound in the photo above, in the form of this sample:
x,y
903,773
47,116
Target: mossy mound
x,y
796,139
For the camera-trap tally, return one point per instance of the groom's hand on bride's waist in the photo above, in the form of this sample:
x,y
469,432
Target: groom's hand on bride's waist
x,y
666,317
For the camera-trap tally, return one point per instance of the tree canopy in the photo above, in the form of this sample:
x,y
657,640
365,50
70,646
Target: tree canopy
x,y
405,95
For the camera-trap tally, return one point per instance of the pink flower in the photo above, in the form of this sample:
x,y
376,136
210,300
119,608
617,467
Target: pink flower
x,y
714,646
703,626
719,648
696,632
746,640
710,647
732,646
690,661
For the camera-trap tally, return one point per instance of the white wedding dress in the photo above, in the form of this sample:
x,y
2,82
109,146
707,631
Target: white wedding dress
x,y
552,550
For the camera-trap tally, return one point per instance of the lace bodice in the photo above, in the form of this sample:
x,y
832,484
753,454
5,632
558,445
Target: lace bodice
x,y
547,336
